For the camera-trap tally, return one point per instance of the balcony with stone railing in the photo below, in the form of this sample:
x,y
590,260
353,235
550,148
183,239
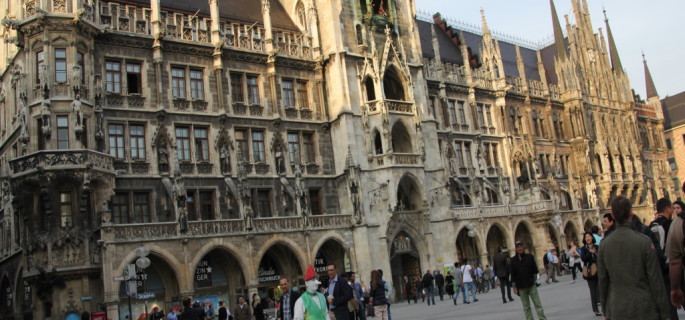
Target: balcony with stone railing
x,y
536,88
74,159
330,221
554,92
516,84
295,113
400,107
455,74
498,210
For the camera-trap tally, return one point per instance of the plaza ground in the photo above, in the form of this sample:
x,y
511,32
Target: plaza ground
x,y
561,300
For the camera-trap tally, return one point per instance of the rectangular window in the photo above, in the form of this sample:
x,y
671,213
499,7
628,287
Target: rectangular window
x,y
479,113
116,141
119,207
302,96
197,86
65,207
40,62
669,145
258,146
137,138
178,82
207,205
61,65
183,143
288,94
308,143
237,87
315,202
262,204
243,146
460,111
113,76
672,164
458,154
495,156
62,132
467,154
294,147
201,144
80,60
452,112
488,116
133,78
486,154
253,89
141,207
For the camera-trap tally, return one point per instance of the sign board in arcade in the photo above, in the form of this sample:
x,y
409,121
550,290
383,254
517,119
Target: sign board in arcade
x,y
320,263
28,299
203,274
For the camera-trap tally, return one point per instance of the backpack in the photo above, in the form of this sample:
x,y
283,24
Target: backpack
x,y
659,232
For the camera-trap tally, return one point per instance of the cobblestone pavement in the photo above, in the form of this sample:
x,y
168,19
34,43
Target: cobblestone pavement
x,y
562,300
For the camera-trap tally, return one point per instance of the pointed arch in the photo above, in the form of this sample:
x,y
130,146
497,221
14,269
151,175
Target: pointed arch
x,y
377,142
468,248
301,14
394,84
523,233
401,138
409,194
369,88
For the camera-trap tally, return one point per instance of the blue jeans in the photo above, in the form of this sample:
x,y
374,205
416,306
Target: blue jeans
x,y
460,288
470,286
430,294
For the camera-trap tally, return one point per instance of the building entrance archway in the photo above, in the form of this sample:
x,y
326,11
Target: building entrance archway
x,y
523,234
279,261
494,240
156,286
218,277
404,260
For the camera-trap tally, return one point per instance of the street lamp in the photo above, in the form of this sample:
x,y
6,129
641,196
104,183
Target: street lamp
x,y
472,233
142,263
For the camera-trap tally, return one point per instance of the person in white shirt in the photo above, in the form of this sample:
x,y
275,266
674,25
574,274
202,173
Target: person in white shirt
x,y
467,273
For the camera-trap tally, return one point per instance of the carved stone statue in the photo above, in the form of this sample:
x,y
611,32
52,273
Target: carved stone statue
x,y
76,80
43,79
225,160
76,108
45,116
162,156
249,218
299,184
179,190
99,122
591,190
280,167
22,116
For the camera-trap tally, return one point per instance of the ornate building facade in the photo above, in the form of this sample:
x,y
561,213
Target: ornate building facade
x,y
239,147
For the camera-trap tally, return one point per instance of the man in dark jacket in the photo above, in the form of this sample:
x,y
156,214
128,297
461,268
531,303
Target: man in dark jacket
x,y
194,312
338,294
523,276
427,283
287,301
440,283
502,265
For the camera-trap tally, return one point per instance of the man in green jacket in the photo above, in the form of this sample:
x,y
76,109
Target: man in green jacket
x,y
630,282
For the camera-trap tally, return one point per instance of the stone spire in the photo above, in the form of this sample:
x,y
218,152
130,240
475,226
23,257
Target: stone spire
x,y
486,30
558,34
613,52
651,88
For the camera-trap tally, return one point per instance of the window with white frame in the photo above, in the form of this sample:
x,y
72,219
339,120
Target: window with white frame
x,y
295,93
250,145
117,134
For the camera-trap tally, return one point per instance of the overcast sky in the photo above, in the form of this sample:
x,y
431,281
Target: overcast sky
x,y
655,27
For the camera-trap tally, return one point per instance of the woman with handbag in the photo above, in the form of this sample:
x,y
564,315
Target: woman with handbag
x,y
589,256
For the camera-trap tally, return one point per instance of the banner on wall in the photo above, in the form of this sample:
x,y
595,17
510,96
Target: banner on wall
x,y
203,274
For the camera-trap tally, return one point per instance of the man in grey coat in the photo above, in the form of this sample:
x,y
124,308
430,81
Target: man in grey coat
x,y
630,282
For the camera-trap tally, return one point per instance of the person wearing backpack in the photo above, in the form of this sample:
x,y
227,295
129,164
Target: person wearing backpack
x,y
660,226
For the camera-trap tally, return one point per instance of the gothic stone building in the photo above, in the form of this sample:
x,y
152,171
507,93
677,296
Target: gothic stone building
x,y
240,145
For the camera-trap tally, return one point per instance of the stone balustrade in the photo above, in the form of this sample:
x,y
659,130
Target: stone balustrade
x,y
62,159
399,106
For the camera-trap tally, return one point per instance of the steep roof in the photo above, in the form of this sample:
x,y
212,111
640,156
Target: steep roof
x,y
250,11
449,52
674,110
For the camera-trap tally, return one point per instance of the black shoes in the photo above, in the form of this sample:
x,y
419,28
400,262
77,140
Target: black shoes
x,y
511,299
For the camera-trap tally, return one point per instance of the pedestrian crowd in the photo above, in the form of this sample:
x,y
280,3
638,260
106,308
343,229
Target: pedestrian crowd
x,y
633,271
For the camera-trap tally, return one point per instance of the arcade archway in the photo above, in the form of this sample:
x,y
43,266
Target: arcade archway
x,y
218,277
571,233
467,249
279,261
523,234
495,239
331,252
404,259
155,286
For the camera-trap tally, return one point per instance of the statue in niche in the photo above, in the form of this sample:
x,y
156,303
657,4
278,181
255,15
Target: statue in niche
x,y
76,80
43,80
99,121
22,116
76,108
45,116
280,167
354,192
182,219
179,190
225,160
557,167
249,218
162,156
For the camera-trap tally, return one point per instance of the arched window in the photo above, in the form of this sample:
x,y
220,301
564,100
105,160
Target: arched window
x,y
378,143
370,89
401,140
491,196
392,86
301,14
